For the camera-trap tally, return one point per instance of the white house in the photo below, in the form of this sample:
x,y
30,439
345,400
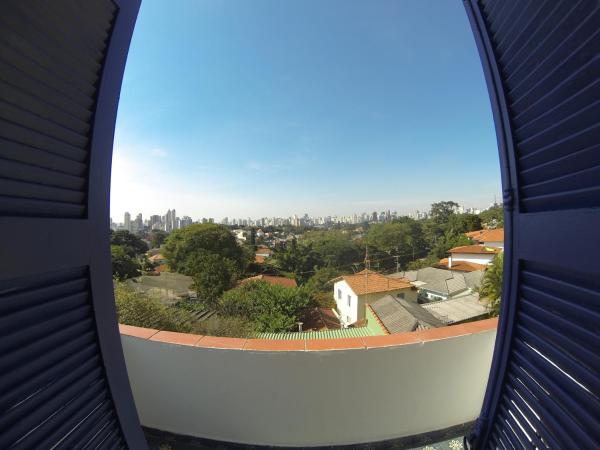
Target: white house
x,y
353,292
474,254
488,238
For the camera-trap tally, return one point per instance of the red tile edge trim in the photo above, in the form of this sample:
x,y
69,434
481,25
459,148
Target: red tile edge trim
x,y
369,342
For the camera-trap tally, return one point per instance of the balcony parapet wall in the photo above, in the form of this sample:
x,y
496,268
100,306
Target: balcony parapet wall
x,y
309,392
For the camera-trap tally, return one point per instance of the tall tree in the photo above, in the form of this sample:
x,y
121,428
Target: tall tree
x,y
491,284
183,245
123,265
441,211
157,238
132,244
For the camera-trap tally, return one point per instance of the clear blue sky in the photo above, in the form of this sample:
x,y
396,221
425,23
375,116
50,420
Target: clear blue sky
x,y
268,108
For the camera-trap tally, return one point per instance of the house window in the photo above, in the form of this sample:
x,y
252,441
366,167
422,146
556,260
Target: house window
x,y
349,300
339,294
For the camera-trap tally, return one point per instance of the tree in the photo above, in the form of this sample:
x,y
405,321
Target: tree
x,y
395,243
463,223
132,244
334,248
271,308
140,310
157,238
123,265
200,239
493,217
213,275
422,263
449,240
320,281
441,211
491,284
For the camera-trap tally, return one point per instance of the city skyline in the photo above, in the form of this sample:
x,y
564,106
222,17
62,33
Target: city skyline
x,y
170,221
276,109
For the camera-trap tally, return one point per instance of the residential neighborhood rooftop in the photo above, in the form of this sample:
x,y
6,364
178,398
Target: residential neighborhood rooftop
x,y
272,279
445,282
457,309
460,266
400,316
369,282
475,249
496,235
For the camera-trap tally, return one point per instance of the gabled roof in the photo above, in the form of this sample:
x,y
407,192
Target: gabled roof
x,y
442,281
459,309
369,282
318,319
460,266
272,279
496,235
157,257
400,316
475,249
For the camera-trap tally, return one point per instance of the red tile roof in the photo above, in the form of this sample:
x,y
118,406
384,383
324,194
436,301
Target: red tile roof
x,y
272,279
475,249
318,319
369,282
496,235
460,266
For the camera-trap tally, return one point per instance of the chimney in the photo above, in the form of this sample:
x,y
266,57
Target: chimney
x,y
450,261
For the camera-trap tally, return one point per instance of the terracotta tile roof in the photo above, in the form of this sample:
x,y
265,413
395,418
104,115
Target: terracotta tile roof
x,y
157,257
369,282
272,279
318,319
475,249
264,251
460,266
496,235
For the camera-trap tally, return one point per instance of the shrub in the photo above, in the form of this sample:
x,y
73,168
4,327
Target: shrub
x,y
140,310
270,308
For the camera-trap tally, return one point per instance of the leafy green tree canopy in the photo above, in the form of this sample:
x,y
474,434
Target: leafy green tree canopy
x,y
123,265
140,310
184,245
157,238
493,217
271,308
491,284
213,274
132,244
441,211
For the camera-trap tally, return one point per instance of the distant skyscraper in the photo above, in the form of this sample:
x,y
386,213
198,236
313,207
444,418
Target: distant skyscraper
x,y
185,221
138,224
127,221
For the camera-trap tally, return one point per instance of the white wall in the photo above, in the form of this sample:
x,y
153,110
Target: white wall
x,y
356,310
309,398
344,310
495,244
473,258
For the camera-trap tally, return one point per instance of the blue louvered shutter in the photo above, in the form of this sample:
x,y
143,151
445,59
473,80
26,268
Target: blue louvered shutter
x,y
63,382
542,64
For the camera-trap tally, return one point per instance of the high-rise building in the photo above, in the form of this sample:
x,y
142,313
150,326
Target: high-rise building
x,y
185,221
138,224
127,221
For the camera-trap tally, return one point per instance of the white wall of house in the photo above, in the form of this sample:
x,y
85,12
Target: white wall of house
x,y
346,301
351,307
477,258
495,244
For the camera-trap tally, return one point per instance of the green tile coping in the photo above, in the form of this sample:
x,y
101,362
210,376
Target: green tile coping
x,y
325,334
